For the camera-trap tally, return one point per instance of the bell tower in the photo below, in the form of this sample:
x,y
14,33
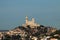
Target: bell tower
x,y
26,19
33,20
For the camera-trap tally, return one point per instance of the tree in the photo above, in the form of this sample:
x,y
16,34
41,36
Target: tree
x,y
41,26
57,32
7,37
28,26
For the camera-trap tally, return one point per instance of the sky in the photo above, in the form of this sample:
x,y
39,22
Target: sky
x,y
13,12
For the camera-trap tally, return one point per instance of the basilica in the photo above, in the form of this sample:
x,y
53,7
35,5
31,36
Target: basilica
x,y
31,23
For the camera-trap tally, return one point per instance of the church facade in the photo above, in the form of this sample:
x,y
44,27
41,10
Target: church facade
x,y
31,23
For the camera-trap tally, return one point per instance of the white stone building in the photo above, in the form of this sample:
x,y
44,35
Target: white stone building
x,y
31,23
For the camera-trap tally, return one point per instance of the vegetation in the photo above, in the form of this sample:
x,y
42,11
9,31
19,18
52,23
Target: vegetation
x,y
37,32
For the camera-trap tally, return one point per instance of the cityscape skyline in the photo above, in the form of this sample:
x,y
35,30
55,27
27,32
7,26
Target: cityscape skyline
x,y
13,12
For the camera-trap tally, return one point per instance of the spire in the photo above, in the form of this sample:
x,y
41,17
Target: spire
x,y
33,20
26,19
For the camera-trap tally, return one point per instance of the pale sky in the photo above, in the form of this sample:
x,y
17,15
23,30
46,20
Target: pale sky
x,y
13,12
